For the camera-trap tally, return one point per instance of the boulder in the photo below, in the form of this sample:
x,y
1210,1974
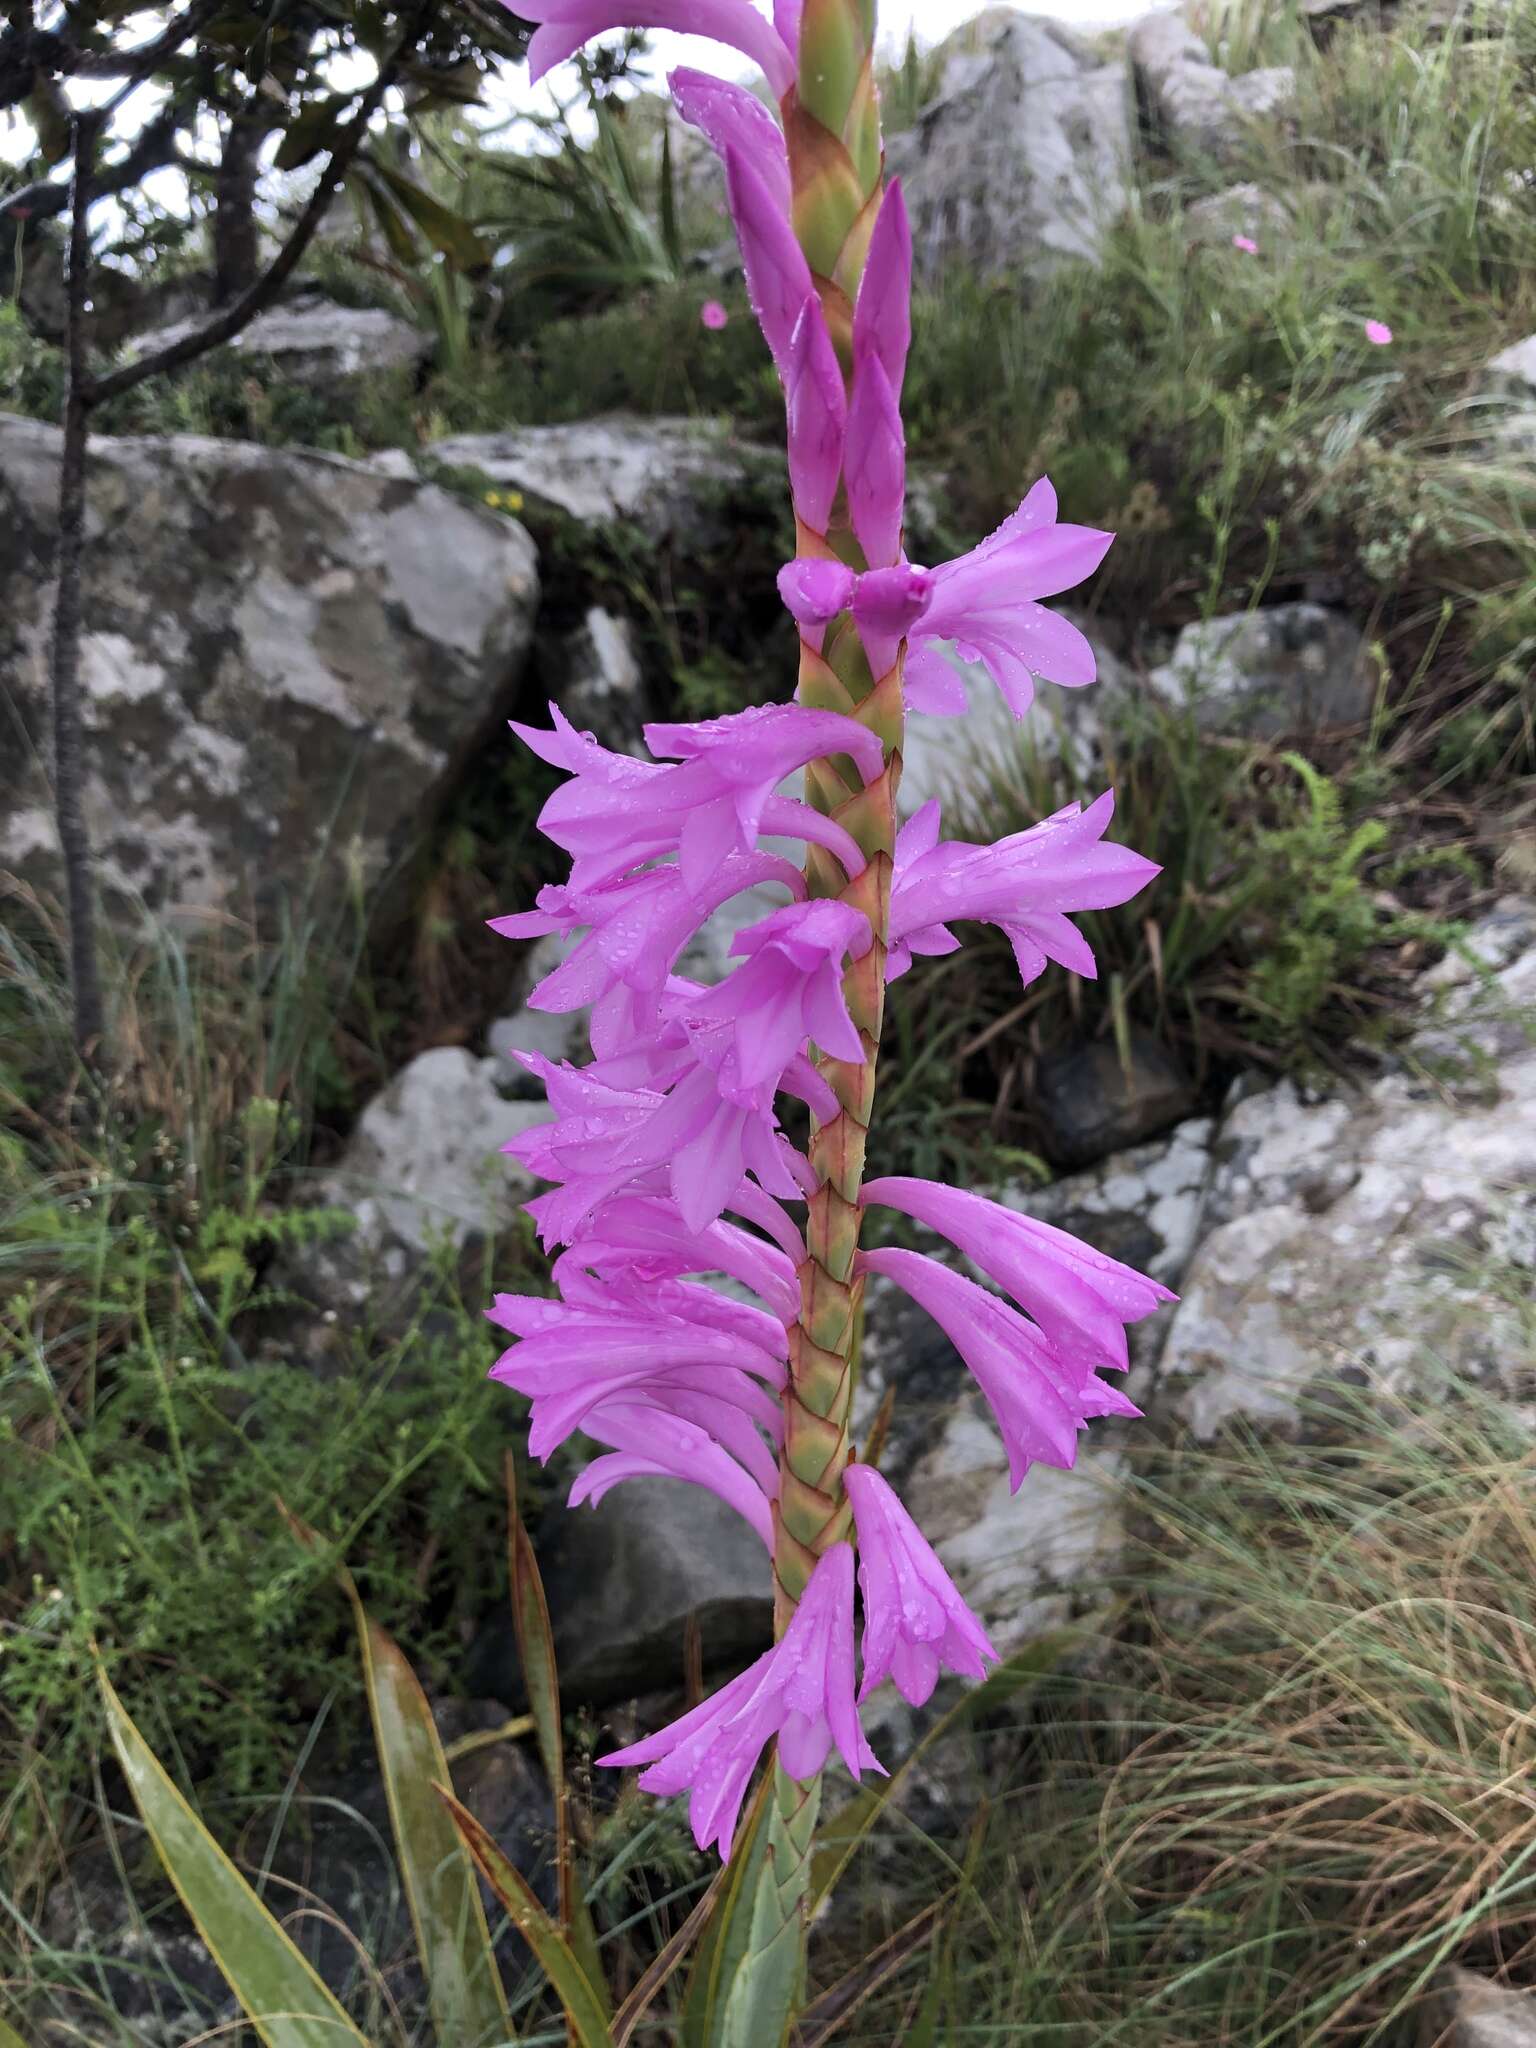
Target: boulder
x,y
623,1580
313,342
422,1171
285,658
666,476
1090,1102
1507,396
597,680
1466,2011
1024,157
1285,668
1244,209
1372,1237
1191,102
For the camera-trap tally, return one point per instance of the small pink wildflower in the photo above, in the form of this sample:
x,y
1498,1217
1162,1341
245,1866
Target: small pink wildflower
x,y
713,315
1378,333
1246,243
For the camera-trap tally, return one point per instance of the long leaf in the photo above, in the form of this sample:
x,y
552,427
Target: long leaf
x,y
749,1975
841,1835
9,2038
276,1987
536,1649
446,230
453,1941
583,2004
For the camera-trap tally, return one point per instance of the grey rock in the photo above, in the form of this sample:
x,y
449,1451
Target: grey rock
x,y
1089,1104
314,342
286,656
1286,668
623,1579
1356,1237
421,1172
1483,998
1506,397
666,476
598,682
1244,209
1024,158
1466,2011
1193,102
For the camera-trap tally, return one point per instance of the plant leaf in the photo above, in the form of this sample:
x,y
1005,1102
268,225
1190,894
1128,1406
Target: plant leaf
x,y
536,1650
583,2004
446,230
453,1940
826,2012
638,2003
750,1968
276,1987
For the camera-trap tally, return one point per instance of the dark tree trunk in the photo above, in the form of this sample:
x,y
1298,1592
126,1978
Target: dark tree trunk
x,y
236,238
68,748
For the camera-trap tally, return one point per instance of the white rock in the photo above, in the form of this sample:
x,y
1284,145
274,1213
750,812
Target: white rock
x,y
314,341
1284,668
1195,102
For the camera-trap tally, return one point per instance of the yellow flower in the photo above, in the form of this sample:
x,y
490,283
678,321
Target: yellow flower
x,y
493,498
513,501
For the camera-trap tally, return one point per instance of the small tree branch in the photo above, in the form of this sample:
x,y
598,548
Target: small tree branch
x,y
68,748
228,323
25,50
153,148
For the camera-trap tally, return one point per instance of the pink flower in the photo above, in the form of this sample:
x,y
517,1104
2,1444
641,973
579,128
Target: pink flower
x,y
915,1623
1040,1400
644,1236
778,277
567,24
617,813
985,601
874,462
816,414
638,925
1246,243
732,118
1081,1300
1378,332
882,318
801,1691
712,315
1025,884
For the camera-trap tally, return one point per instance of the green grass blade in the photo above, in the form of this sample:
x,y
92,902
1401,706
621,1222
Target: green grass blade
x,y
9,2038
841,1835
277,1989
640,2000
453,1941
585,2006
536,1649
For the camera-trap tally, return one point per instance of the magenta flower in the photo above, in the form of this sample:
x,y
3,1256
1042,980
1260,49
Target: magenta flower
x,y
882,317
874,465
915,1623
1246,243
617,813
1024,884
1378,333
986,603
731,118
778,277
567,24
712,315
1039,1399
816,414
637,927
644,1236
801,1691
1081,1300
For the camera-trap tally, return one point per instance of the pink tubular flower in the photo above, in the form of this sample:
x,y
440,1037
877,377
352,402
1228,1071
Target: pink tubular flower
x,y
1246,243
1081,1300
1024,884
801,1690
712,315
616,813
778,276
730,117
915,1623
1378,333
874,465
566,24
816,415
882,316
1040,1400
643,1235
986,603
637,927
